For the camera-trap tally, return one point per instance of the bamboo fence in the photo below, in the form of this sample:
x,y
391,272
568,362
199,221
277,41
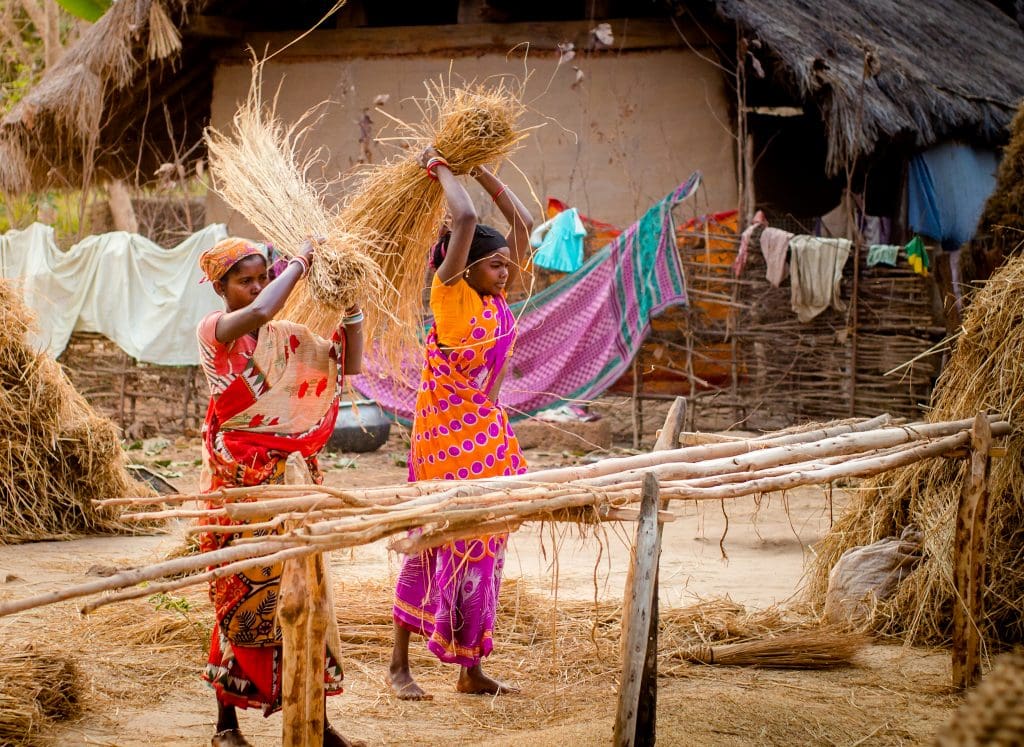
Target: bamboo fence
x,y
431,513
742,355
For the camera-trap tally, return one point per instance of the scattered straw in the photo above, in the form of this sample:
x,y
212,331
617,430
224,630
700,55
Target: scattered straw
x,y
984,373
57,454
36,689
257,169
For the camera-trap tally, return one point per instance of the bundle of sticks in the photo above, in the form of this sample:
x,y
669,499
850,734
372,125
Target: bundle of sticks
x,y
322,519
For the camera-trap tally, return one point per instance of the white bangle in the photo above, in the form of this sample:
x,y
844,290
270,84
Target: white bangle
x,y
303,262
353,319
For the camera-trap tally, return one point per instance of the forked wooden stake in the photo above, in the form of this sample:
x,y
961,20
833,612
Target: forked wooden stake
x,y
303,610
969,553
636,625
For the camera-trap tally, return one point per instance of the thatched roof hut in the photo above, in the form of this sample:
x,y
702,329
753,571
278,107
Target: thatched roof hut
x,y
911,73
137,86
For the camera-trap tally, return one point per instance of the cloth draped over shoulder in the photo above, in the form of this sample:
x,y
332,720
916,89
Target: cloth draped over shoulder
x,y
145,298
449,594
270,396
579,335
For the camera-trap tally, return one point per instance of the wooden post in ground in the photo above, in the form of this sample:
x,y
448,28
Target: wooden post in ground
x,y
970,550
640,592
303,610
647,708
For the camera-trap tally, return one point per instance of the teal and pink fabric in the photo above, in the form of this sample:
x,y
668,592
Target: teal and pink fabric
x,y
578,336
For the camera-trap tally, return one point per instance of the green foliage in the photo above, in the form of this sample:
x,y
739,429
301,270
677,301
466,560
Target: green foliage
x,y
58,209
88,10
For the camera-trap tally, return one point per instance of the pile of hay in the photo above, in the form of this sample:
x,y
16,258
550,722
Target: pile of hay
x,y
984,373
379,239
36,689
1001,227
57,455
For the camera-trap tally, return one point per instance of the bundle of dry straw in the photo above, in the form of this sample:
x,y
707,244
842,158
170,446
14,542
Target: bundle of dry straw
x,y
258,170
380,237
57,455
36,689
983,373
396,201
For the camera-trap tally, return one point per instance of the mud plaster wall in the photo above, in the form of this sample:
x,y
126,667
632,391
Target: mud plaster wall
x,y
634,127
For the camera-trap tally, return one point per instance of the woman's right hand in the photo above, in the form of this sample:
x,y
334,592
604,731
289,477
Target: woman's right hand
x,y
429,152
308,248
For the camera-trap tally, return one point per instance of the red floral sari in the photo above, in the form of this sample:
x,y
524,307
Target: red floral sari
x,y
270,396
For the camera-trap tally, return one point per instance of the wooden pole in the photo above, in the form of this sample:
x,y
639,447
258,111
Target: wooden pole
x,y
636,625
647,708
302,611
970,548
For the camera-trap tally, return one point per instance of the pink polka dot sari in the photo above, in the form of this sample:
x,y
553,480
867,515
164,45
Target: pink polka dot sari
x,y
449,594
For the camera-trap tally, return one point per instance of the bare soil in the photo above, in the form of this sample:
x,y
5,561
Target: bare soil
x,y
139,695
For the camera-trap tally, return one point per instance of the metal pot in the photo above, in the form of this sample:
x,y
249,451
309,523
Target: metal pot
x,y
361,426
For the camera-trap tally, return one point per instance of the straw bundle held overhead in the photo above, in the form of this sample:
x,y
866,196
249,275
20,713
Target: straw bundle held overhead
x,y
983,373
403,208
58,455
36,689
257,169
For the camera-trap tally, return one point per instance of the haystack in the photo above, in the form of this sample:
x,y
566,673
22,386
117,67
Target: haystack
x,y
984,373
1000,230
36,689
57,454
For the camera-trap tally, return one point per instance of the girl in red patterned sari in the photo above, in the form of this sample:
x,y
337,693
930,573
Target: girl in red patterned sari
x,y
274,389
450,594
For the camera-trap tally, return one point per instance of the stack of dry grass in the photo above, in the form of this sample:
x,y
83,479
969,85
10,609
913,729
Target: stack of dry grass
x,y
57,455
36,689
1001,227
377,247
983,373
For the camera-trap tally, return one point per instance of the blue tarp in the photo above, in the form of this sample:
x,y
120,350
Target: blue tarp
x,y
946,192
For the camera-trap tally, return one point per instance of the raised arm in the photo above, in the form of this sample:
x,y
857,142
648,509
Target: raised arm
x,y
239,322
462,212
515,212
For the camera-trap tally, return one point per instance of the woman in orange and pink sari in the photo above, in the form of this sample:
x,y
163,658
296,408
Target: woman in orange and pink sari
x,y
274,389
449,594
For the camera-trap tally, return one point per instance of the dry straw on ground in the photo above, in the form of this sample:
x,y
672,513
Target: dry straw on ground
x,y
36,689
57,454
258,170
984,373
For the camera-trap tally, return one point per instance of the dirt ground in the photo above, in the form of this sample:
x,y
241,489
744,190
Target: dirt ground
x,y
138,694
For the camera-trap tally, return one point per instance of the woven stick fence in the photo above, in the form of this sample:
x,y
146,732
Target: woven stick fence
x,y
330,519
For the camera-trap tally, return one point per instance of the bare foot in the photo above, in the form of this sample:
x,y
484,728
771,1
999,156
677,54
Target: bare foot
x,y
229,738
333,738
405,687
473,681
